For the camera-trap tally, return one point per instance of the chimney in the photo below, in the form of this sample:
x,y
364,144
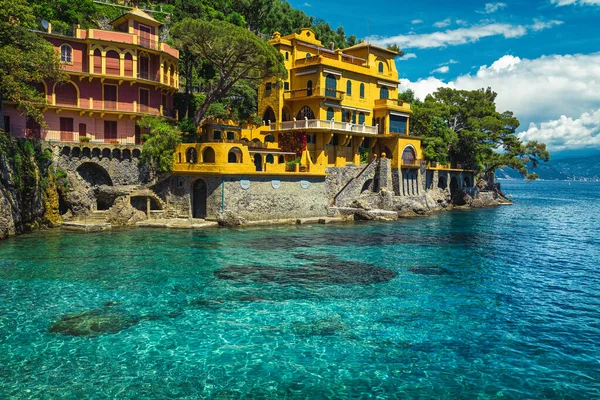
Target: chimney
x,y
49,27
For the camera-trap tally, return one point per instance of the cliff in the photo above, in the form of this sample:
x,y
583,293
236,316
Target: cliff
x,y
28,195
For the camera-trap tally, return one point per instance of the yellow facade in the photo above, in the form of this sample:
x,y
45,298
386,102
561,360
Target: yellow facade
x,y
345,102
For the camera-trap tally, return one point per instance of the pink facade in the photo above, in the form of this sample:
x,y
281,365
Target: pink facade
x,y
112,84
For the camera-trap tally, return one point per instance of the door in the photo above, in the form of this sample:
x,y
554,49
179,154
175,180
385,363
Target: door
x,y
199,199
66,129
110,131
33,129
110,97
145,33
82,131
258,162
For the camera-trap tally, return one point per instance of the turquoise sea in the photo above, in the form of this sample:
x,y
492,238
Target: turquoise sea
x,y
500,302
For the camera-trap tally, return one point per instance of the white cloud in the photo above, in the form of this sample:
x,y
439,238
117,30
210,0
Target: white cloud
x,y
416,21
491,8
538,91
408,56
560,3
461,35
442,70
443,24
567,133
307,5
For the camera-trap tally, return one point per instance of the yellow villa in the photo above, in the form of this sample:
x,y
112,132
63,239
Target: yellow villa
x,y
336,107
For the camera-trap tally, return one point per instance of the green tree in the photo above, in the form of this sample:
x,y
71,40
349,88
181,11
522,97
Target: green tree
x,y
396,48
25,59
159,143
464,127
235,54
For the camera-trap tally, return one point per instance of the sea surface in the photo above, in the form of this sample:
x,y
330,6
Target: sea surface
x,y
492,303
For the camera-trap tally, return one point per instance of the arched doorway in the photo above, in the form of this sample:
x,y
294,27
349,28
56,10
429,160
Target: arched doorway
x,y
408,156
453,186
199,199
258,162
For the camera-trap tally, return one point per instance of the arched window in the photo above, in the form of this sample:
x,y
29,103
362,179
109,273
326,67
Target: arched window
x,y
347,116
380,67
97,61
66,94
408,156
361,118
269,139
281,160
113,61
362,90
270,159
128,64
330,85
349,88
191,156
66,53
208,155
269,115
330,114
234,156
384,93
309,88
305,112
307,55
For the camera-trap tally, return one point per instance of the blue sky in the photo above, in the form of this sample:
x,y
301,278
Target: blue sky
x,y
542,57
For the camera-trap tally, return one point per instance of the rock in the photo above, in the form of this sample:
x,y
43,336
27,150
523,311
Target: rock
x,y
328,272
429,270
92,323
123,214
229,218
319,327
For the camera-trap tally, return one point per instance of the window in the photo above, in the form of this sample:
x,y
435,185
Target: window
x,y
408,156
144,67
384,93
305,112
66,53
398,124
309,88
353,117
66,129
330,85
330,114
144,97
307,55
268,87
349,88
287,56
362,90
361,118
380,67
82,130
6,124
110,131
110,97
230,135
217,135
286,86
269,139
191,156
333,141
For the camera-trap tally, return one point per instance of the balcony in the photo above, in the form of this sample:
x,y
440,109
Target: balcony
x,y
51,135
299,94
386,103
324,125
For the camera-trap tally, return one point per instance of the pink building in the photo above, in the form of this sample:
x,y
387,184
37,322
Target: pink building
x,y
115,78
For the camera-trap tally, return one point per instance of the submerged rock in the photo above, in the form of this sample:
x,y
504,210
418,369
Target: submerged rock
x,y
331,272
319,327
429,271
314,257
92,323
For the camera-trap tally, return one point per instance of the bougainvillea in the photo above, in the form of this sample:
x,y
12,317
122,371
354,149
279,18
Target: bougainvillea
x,y
293,142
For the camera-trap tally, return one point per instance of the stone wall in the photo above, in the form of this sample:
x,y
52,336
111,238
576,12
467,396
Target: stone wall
x,y
347,182
265,197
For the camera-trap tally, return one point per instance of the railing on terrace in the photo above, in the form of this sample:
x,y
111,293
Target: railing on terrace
x,y
391,102
307,61
354,60
92,138
147,43
314,92
324,124
148,76
411,163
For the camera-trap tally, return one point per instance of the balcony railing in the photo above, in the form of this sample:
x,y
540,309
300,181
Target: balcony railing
x,y
411,163
314,92
147,43
324,124
92,138
392,102
148,76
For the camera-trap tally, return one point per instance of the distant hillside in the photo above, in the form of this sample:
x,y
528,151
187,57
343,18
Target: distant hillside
x,y
582,168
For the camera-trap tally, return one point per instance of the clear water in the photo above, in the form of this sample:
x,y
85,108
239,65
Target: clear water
x,y
514,312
